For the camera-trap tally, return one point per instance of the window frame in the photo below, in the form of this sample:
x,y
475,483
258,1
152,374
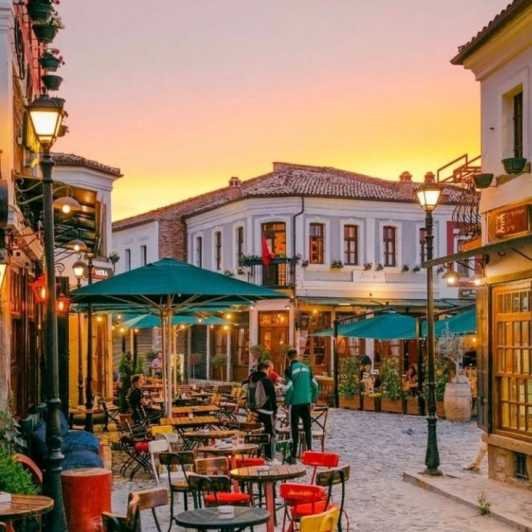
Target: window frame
x,y
143,254
218,250
198,251
127,259
346,244
321,243
385,252
518,123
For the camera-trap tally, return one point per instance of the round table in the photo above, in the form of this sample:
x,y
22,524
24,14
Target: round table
x,y
208,434
239,449
22,506
269,475
210,518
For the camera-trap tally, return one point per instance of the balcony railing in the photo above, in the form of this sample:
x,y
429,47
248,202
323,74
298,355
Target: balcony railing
x,y
280,273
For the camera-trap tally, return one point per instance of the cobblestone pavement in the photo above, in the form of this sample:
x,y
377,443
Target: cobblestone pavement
x,y
379,447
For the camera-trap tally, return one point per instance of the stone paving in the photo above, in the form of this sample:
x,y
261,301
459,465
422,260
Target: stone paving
x,y
379,448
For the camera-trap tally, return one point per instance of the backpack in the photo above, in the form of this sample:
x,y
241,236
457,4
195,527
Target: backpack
x,y
260,395
250,400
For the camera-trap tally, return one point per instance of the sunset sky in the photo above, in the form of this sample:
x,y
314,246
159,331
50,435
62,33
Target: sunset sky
x,y
183,94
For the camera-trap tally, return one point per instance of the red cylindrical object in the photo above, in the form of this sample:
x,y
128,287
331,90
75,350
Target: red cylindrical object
x,y
86,493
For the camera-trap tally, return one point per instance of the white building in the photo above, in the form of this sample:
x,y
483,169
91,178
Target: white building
x,y
342,244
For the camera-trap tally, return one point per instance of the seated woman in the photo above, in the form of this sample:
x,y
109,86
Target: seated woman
x,y
140,404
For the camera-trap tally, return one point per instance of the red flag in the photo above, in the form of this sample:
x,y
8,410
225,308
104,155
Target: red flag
x,y
266,253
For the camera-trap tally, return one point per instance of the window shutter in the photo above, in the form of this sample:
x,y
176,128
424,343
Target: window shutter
x,y
484,360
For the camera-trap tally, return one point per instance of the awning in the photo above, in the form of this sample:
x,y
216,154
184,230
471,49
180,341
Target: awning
x,y
488,249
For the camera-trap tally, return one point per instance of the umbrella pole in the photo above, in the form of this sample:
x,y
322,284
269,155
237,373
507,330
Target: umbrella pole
x,y
167,321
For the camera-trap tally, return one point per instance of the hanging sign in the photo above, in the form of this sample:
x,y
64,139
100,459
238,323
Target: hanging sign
x,y
512,221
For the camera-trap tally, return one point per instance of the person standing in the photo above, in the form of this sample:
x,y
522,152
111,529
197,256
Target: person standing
x,y
301,392
265,403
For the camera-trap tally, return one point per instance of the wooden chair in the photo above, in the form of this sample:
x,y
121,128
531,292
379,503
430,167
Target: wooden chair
x,y
324,522
177,462
262,440
29,465
319,416
215,490
138,501
218,465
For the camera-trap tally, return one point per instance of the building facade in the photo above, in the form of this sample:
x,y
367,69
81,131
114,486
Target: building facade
x,y
338,243
500,57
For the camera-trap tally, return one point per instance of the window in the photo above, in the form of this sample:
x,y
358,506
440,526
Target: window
x,y
423,245
316,243
275,235
518,124
239,243
199,251
390,247
218,250
143,255
351,244
127,260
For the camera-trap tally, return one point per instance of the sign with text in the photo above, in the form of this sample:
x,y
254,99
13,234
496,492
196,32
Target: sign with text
x,y
509,222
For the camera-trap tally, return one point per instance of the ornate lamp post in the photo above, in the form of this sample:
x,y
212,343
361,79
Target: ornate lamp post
x,y
46,116
79,271
428,196
89,396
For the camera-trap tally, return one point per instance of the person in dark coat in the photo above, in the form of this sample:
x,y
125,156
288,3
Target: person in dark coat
x,y
265,402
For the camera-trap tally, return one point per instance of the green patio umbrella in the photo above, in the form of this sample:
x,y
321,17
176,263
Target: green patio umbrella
x,y
148,321
384,326
169,287
460,324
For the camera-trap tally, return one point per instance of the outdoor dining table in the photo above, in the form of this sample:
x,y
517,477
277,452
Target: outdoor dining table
x,y
212,518
23,506
268,476
208,435
194,409
238,449
186,422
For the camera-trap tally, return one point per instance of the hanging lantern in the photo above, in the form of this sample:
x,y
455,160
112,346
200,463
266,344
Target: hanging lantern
x,y
63,304
38,287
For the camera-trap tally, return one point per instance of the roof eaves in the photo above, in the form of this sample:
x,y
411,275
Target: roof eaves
x,y
495,25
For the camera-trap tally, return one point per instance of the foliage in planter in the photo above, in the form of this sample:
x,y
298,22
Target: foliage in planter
x,y
305,263
249,260
405,268
379,267
11,439
416,268
259,353
391,379
367,266
229,273
349,378
337,265
46,33
40,11
13,477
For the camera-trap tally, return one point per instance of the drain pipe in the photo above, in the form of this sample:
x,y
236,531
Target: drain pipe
x,y
293,264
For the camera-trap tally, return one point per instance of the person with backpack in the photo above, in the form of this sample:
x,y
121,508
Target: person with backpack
x,y
301,392
265,402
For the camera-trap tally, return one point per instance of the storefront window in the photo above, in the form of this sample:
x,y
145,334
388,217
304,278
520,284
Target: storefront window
x,y
512,351
316,349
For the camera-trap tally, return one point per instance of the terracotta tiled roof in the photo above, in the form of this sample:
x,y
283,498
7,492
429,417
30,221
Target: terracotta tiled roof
x,y
497,23
288,179
69,159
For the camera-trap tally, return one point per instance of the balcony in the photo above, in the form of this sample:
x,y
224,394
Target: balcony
x,y
280,273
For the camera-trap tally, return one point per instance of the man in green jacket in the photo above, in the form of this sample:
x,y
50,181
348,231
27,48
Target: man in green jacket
x,y
301,392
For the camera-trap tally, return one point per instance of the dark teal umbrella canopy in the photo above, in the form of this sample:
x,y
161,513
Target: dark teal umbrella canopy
x,y
169,282
460,324
149,321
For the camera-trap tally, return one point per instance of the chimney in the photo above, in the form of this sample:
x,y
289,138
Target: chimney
x,y
405,177
430,178
234,182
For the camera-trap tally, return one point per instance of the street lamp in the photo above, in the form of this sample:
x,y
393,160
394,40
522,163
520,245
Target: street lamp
x,y
67,205
451,277
428,195
46,117
77,245
79,271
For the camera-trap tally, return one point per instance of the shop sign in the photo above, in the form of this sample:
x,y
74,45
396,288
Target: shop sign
x,y
509,222
101,273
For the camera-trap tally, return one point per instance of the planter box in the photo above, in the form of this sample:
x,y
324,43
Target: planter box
x,y
351,403
440,410
394,406
371,404
412,406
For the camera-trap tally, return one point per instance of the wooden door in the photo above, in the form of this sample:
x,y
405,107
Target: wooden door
x,y
273,335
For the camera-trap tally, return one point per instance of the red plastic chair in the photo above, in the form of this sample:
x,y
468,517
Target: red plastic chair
x,y
301,500
249,462
317,459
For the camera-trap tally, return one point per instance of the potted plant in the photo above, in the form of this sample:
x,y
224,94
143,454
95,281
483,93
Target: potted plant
x,y
483,180
52,81
379,267
46,33
13,477
40,11
367,266
416,268
392,390
337,265
114,257
405,268
229,273
218,365
259,353
349,383
514,165
304,264
457,397
51,60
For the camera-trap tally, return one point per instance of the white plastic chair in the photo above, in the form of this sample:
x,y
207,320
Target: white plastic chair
x,y
156,447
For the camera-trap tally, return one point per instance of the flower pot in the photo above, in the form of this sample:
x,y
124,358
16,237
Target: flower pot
x,y
50,62
457,400
483,180
52,82
391,405
45,33
351,403
514,165
40,11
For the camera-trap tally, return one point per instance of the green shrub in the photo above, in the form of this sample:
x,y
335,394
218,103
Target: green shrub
x,y
11,439
392,386
13,477
349,377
